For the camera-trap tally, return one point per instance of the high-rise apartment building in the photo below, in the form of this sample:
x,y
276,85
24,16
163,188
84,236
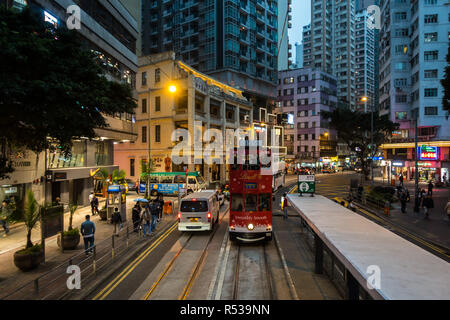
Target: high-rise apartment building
x,y
365,76
329,44
299,55
414,40
284,24
304,93
234,41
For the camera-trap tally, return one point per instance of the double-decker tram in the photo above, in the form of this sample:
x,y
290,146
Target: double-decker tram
x,y
250,195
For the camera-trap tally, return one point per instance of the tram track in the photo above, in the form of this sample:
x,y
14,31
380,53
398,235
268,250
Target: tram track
x,y
197,266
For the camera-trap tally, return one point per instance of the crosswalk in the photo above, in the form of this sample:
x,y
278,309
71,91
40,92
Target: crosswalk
x,y
331,190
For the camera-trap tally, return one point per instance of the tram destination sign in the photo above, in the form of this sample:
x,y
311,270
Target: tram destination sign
x,y
306,184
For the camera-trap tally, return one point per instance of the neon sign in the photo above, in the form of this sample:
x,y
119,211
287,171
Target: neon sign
x,y
428,153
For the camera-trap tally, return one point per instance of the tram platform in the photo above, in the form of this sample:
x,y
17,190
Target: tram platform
x,y
396,268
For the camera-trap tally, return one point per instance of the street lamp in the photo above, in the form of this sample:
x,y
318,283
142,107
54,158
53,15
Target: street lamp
x,y
365,99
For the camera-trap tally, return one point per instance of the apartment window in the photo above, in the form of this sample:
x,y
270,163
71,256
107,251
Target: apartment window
x,y
144,134
431,111
401,98
431,55
431,92
157,75
144,105
431,18
402,82
132,163
399,16
144,78
157,133
431,37
157,104
431,74
289,80
430,2
400,115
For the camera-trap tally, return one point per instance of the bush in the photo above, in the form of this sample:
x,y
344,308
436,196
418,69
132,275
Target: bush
x,y
34,249
73,232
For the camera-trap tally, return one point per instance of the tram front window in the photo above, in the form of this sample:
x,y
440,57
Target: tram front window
x,y
264,202
250,202
237,202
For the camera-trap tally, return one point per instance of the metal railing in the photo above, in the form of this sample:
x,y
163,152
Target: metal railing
x,y
53,284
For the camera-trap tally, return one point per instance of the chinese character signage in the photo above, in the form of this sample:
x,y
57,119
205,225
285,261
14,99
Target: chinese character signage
x,y
306,184
428,153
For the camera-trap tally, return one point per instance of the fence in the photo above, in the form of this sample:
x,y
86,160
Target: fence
x,y
53,284
365,198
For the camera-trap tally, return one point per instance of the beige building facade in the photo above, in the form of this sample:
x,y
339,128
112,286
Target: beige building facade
x,y
197,103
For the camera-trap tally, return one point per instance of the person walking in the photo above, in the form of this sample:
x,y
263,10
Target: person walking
x,y
95,205
154,210
161,206
447,209
136,216
430,188
403,200
146,219
4,216
117,221
91,199
401,179
88,230
428,204
285,205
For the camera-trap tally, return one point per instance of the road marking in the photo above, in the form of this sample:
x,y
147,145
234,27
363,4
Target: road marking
x,y
222,272
222,250
114,283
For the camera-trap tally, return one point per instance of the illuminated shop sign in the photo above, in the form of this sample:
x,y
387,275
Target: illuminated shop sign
x,y
398,164
50,18
428,153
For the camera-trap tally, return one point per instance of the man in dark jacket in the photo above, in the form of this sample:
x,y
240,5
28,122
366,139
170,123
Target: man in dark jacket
x,y
154,210
136,216
88,230
428,204
161,206
94,205
430,188
117,221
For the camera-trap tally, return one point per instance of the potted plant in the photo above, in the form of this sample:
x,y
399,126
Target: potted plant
x,y
103,213
71,237
30,257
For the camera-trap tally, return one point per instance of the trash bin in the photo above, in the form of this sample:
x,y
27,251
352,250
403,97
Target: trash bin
x,y
168,207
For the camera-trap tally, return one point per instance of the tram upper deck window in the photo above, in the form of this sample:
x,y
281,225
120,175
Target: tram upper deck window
x,y
179,179
250,202
237,202
264,202
154,179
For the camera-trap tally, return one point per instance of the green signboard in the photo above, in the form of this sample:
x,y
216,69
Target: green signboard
x,y
306,184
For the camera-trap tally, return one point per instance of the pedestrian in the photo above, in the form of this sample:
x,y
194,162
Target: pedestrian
x,y
447,209
403,200
428,204
117,221
88,231
285,205
91,199
146,219
430,188
161,206
136,217
401,179
4,216
95,205
154,210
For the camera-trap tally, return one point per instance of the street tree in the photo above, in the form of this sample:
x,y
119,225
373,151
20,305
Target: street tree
x,y
354,129
446,84
52,89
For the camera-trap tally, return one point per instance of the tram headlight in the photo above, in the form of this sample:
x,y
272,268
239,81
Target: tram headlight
x,y
250,226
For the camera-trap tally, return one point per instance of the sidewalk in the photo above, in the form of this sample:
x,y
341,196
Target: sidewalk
x,y
11,277
436,228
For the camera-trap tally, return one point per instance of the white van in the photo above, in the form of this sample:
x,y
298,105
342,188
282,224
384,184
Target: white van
x,y
199,211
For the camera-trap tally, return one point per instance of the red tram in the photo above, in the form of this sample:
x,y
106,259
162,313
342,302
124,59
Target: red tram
x,y
250,196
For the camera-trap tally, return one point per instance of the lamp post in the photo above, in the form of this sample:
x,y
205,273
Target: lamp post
x,y
365,99
416,170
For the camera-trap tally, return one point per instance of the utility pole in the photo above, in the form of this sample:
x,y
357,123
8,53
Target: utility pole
x,y
416,170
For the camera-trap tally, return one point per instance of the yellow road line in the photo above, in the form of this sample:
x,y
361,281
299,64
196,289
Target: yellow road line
x,y
104,293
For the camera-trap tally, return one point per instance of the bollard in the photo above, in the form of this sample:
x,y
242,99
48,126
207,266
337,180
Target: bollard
x,y
94,257
112,246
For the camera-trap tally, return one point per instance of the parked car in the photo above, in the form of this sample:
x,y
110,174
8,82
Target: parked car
x,y
131,185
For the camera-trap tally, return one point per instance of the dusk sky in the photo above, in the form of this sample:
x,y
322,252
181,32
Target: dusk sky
x,y
301,16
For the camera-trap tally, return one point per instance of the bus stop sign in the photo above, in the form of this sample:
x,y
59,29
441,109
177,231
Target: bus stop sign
x,y
306,184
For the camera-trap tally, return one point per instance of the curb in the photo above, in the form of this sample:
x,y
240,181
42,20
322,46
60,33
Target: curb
x,y
118,264
403,228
